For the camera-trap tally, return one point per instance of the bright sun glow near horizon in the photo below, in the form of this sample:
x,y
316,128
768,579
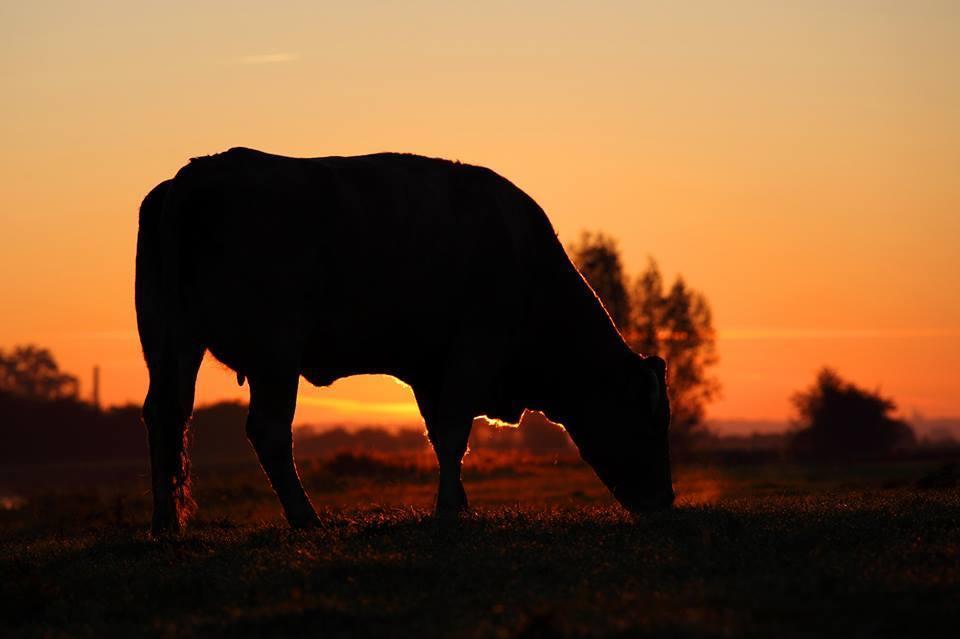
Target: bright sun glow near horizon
x,y
798,163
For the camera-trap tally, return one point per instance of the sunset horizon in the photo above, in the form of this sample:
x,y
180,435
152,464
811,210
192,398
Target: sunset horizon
x,y
808,192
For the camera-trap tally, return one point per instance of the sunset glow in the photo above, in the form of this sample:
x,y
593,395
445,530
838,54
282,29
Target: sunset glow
x,y
798,164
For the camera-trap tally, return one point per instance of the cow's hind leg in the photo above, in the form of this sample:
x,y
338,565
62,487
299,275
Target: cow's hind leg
x,y
273,400
166,411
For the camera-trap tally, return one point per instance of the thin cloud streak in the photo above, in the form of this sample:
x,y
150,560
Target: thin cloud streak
x,y
269,58
814,333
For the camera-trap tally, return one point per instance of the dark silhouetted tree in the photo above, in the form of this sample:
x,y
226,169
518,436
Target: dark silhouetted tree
x,y
838,420
32,372
676,325
598,259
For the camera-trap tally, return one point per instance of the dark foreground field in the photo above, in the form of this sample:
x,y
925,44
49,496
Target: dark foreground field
x,y
773,551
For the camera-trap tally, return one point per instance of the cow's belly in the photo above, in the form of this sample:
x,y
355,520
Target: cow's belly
x,y
406,332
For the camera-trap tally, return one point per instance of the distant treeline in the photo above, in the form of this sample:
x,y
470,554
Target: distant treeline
x,y
65,430
43,431
35,430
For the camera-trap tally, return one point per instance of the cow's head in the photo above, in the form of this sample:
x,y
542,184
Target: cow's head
x,y
626,441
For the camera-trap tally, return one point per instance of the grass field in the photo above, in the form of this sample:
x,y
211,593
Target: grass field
x,y
749,551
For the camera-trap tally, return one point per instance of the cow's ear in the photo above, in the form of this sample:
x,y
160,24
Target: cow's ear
x,y
658,365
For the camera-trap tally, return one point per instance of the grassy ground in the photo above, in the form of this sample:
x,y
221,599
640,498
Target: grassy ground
x,y
786,551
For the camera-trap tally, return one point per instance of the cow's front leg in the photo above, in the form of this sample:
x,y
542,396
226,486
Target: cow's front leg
x,y
449,438
273,401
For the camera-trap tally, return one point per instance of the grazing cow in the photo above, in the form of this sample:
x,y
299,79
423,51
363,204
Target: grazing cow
x,y
442,274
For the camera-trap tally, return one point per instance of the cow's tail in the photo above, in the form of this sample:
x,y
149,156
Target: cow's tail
x,y
172,357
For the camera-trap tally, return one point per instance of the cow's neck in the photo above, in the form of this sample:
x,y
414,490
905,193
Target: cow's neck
x,y
580,355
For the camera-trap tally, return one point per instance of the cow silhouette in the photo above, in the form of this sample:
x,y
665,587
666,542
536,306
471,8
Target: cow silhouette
x,y
442,274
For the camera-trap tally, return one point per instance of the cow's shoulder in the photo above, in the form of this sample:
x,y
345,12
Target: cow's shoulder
x,y
237,153
236,159
530,229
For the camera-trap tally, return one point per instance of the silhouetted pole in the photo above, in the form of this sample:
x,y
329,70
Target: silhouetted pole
x,y
96,387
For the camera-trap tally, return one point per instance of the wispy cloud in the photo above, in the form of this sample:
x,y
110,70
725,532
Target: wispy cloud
x,y
805,333
268,58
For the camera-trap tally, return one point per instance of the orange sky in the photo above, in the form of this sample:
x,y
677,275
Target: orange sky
x,y
798,164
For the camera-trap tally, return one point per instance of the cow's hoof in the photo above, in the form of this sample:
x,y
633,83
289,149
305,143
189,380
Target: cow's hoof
x,y
165,527
452,508
648,505
306,522
452,501
451,511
